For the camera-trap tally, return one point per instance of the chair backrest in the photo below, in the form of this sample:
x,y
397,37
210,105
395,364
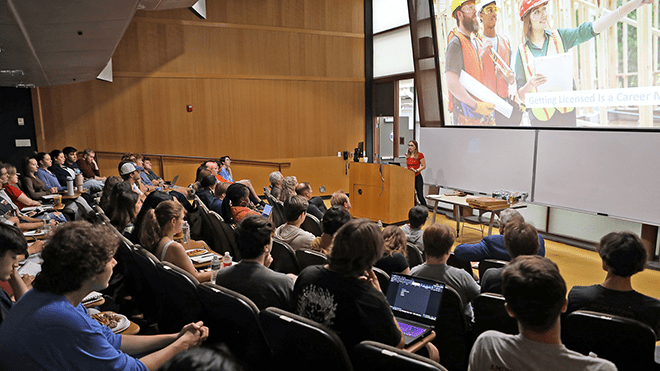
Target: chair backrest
x,y
145,282
308,257
458,263
233,319
284,258
490,263
302,344
373,356
312,225
413,255
452,329
629,343
227,235
490,314
383,278
277,214
181,301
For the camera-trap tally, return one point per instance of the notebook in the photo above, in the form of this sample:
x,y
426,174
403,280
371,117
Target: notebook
x,y
415,303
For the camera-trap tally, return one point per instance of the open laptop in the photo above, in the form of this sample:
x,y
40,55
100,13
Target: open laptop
x,y
173,182
415,303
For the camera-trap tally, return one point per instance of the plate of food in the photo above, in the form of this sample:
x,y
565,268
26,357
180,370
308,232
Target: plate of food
x,y
195,252
116,322
34,233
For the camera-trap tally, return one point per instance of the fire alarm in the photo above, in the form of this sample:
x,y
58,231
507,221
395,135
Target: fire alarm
x,y
189,108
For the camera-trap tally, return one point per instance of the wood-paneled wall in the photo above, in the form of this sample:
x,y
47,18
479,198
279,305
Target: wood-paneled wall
x,y
266,79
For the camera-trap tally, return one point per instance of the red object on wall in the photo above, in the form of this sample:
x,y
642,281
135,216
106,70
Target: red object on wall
x,y
189,108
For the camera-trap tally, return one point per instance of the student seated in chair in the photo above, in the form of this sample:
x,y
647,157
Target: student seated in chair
x,y
535,296
492,247
438,240
251,276
315,205
50,328
275,178
12,245
333,219
623,256
295,210
417,216
519,239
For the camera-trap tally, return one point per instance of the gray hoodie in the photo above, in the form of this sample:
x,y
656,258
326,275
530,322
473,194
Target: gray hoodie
x,y
295,237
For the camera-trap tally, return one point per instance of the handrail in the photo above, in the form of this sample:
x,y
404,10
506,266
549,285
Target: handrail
x,y
160,157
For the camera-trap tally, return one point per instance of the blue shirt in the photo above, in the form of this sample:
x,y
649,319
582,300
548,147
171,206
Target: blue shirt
x,y
490,247
144,178
49,179
43,331
225,175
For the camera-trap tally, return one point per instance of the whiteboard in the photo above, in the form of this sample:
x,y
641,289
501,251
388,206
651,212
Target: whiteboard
x,y
479,160
614,173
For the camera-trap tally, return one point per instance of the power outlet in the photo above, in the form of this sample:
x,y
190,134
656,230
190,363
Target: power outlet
x,y
21,121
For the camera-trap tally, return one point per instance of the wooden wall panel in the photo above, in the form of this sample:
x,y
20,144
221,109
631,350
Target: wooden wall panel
x,y
267,79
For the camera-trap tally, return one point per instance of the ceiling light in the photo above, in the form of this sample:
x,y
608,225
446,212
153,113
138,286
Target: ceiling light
x,y
12,72
23,85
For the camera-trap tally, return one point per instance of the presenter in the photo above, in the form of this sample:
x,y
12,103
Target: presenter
x,y
415,161
541,41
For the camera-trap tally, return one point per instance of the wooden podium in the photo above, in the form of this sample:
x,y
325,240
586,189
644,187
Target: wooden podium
x,y
389,199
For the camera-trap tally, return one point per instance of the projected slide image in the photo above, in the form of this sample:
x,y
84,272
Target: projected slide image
x,y
550,63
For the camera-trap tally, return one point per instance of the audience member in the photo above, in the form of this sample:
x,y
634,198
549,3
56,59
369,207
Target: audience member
x,y
203,359
20,199
251,276
417,216
344,295
220,192
492,247
110,183
519,239
226,174
127,206
236,204
394,259
10,212
438,240
289,184
131,174
57,169
275,178
88,165
205,190
333,219
535,296
157,235
150,203
71,166
623,256
295,210
117,190
50,180
34,187
12,244
340,198
315,206
49,326
148,169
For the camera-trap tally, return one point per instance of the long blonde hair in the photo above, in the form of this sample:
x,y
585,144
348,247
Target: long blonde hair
x,y
414,153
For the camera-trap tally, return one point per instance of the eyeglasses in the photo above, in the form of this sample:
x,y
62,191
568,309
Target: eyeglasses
x,y
468,9
538,13
490,9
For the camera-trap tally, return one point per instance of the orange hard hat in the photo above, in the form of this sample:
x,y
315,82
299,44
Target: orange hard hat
x,y
527,5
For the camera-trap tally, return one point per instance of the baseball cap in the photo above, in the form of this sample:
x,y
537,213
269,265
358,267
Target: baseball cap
x,y
127,168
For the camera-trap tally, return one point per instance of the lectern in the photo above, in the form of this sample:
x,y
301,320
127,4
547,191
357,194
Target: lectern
x,y
381,192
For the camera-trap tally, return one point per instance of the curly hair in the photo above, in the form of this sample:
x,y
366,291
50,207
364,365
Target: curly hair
x,y
395,240
356,247
288,187
77,252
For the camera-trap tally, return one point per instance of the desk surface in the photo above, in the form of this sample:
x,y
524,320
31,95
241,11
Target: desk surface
x,y
462,201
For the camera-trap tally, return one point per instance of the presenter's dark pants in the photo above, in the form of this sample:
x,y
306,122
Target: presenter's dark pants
x,y
419,188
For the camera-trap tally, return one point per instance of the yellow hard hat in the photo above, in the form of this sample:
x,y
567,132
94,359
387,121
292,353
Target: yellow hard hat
x,y
455,4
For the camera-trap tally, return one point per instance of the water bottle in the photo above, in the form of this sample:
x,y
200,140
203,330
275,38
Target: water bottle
x,y
215,267
69,186
226,260
79,181
46,220
186,232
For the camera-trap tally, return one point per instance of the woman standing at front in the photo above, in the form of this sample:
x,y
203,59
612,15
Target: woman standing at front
x,y
415,161
540,41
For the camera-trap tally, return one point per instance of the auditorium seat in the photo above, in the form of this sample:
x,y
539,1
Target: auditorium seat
x,y
456,262
490,263
181,302
383,278
233,319
312,225
284,258
308,257
302,344
277,214
373,356
490,314
454,332
413,255
630,344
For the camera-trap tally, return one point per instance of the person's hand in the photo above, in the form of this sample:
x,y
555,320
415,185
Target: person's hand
x,y
193,334
53,190
484,108
485,49
370,278
36,247
27,279
268,261
538,80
